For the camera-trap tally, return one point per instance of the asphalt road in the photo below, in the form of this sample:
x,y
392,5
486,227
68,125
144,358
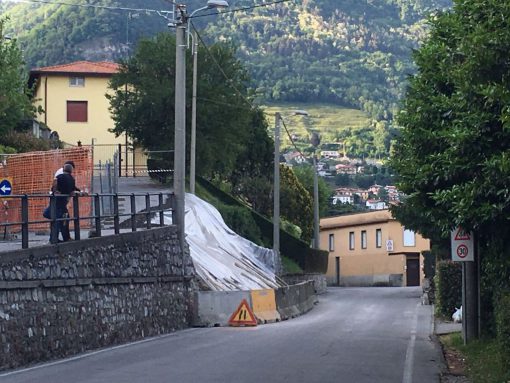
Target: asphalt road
x,y
353,335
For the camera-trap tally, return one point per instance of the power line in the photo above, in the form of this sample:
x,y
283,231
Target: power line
x,y
242,9
111,8
229,80
290,138
226,104
148,10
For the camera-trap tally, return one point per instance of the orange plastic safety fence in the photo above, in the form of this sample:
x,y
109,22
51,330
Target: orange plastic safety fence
x,y
33,173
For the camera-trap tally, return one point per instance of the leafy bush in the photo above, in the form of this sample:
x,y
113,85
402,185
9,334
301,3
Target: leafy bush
x,y
24,142
290,267
241,221
503,328
290,228
448,282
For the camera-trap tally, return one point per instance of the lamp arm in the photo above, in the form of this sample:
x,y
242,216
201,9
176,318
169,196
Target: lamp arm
x,y
189,22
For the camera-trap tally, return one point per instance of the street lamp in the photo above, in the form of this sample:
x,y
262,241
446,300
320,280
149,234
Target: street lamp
x,y
315,140
211,4
181,29
276,184
316,240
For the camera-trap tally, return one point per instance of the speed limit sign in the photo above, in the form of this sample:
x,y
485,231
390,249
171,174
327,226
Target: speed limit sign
x,y
462,245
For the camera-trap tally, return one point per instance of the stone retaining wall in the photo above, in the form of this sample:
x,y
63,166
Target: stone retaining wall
x,y
319,281
295,300
59,300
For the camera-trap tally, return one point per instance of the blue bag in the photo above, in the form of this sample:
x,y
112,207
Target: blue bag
x,y
47,213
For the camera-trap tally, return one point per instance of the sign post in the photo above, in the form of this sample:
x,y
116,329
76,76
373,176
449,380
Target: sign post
x,y
6,190
463,250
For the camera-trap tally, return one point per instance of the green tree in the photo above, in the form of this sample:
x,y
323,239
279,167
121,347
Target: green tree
x,y
296,202
383,194
342,179
452,158
305,176
15,104
232,140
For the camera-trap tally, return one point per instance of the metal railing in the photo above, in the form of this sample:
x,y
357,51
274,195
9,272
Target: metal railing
x,y
25,210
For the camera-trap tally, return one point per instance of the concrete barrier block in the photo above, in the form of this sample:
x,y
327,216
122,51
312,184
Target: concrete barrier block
x,y
295,300
214,308
264,306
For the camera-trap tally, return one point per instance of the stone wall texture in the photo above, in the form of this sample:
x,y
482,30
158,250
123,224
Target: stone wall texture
x,y
60,300
319,281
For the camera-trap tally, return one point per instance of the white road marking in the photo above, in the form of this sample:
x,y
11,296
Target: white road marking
x,y
89,354
408,366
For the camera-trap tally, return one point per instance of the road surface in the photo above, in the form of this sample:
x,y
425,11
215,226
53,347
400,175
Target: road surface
x,y
353,335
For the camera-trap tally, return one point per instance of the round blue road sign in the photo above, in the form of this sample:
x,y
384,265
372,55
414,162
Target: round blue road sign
x,y
5,187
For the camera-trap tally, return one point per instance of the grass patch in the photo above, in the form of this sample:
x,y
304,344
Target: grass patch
x,y
482,358
325,119
290,267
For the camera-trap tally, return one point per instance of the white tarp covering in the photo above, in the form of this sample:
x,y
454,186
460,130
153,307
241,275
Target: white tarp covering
x,y
224,260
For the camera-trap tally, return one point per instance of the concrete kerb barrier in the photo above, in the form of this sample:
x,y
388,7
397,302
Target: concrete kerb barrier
x,y
214,308
264,306
295,300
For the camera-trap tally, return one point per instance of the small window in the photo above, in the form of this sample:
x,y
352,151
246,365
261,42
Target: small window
x,y
409,238
77,81
331,242
363,239
378,238
77,111
351,240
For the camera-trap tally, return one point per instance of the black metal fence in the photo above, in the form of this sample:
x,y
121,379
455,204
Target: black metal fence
x,y
142,209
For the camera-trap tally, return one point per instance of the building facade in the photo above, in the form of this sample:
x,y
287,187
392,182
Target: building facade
x,y
372,248
73,97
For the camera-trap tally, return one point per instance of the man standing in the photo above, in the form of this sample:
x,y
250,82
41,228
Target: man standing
x,y
65,188
59,172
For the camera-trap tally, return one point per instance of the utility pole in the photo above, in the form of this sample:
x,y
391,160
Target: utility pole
x,y
180,125
471,296
193,145
276,187
316,240
315,140
464,249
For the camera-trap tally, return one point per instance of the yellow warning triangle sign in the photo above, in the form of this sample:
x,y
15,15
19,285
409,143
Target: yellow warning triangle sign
x,y
243,316
462,235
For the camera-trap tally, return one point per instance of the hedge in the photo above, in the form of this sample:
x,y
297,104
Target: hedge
x,y
448,282
502,312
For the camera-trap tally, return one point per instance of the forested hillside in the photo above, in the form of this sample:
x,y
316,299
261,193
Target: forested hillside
x,y
353,53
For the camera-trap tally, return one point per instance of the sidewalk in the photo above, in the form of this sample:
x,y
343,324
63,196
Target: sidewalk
x,y
443,328
452,373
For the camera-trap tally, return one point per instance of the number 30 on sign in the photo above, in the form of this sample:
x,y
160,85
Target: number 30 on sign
x,y
463,249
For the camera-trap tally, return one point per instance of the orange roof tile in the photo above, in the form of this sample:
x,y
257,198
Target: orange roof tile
x,y
81,67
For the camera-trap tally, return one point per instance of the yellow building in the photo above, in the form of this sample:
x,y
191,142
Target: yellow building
x,y
372,248
74,103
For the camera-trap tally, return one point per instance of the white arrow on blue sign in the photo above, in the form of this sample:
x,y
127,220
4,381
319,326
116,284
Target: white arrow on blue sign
x,y
5,187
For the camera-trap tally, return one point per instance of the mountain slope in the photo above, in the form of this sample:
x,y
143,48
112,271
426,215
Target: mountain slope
x,y
352,52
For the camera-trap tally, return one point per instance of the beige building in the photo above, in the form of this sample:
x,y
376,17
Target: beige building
x,y
372,249
73,98
74,102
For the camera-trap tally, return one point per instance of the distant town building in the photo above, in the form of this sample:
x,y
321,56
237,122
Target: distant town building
x,y
345,169
374,189
330,154
375,204
294,157
342,198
